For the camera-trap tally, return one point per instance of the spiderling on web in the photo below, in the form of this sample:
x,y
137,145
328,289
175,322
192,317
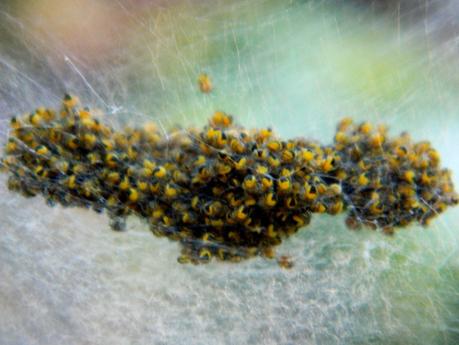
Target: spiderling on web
x,y
224,191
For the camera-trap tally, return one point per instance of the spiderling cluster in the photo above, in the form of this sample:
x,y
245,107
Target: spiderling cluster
x,y
224,191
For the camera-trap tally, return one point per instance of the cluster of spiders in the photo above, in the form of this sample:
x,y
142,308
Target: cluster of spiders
x,y
224,191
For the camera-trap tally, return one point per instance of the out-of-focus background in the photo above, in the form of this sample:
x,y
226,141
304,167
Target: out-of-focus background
x,y
297,66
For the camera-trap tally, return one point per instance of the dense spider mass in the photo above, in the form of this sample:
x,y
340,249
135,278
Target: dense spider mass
x,y
224,191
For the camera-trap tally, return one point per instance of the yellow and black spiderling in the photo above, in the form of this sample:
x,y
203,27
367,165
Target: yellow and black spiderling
x,y
205,84
223,191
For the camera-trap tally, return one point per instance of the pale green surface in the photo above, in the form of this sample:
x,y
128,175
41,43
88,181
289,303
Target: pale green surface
x,y
298,68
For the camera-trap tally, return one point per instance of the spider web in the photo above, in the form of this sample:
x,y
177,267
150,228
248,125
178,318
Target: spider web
x,y
297,66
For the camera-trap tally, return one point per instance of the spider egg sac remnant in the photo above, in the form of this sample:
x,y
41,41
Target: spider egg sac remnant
x,y
224,191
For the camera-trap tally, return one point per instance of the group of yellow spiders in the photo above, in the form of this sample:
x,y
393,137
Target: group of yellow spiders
x,y
224,191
